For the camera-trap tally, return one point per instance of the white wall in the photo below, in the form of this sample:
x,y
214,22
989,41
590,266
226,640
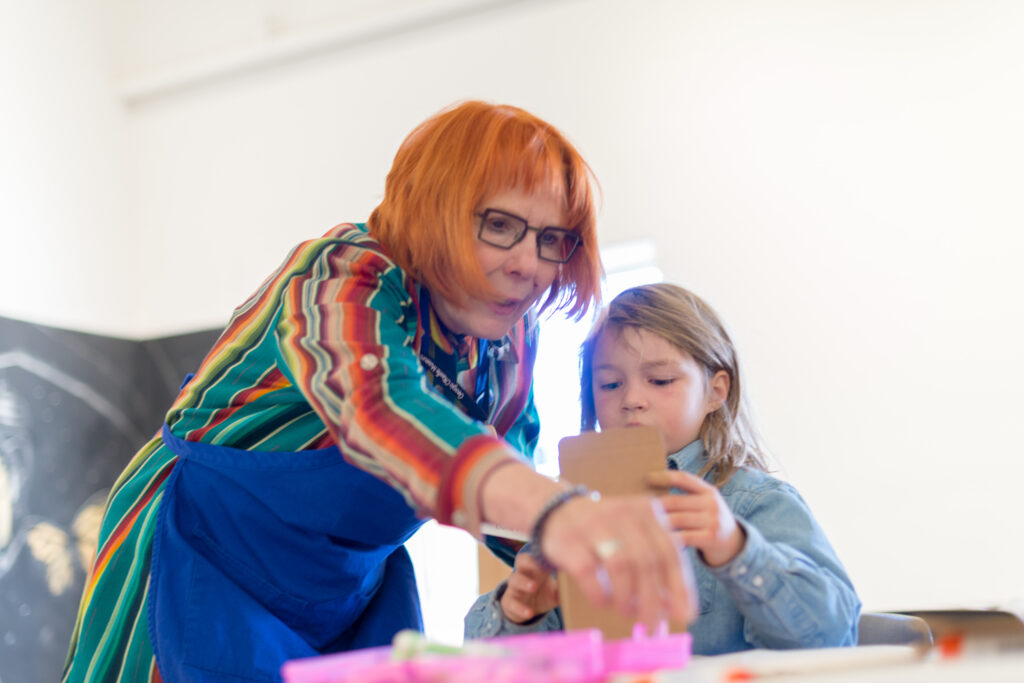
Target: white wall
x,y
62,194
840,179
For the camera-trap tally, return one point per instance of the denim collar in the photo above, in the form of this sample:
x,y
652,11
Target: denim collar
x,y
687,458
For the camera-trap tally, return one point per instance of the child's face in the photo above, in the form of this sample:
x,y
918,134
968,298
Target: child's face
x,y
642,379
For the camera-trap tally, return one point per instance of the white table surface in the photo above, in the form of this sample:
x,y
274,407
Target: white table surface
x,y
875,663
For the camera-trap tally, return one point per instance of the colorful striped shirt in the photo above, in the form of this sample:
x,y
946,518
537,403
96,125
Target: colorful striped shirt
x,y
325,352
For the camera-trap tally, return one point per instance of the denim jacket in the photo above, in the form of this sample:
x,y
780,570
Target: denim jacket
x,y
785,589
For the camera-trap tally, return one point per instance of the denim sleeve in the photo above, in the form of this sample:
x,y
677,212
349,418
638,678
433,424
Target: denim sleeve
x,y
787,582
485,618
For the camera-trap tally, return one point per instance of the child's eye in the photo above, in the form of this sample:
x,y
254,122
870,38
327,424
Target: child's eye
x,y
662,382
609,386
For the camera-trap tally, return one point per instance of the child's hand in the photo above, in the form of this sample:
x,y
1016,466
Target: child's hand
x,y
701,517
530,591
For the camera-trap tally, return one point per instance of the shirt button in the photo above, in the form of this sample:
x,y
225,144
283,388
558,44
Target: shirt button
x,y
368,362
742,570
758,581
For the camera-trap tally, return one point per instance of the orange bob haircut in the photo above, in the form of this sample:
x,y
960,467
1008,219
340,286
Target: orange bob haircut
x,y
449,164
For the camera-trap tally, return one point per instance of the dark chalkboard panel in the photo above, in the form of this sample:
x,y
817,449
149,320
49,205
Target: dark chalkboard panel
x,y
74,408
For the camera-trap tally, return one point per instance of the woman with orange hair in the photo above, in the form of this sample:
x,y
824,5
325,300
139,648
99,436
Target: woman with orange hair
x,y
380,376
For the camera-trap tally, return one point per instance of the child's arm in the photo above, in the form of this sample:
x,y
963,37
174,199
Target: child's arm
x,y
786,581
526,602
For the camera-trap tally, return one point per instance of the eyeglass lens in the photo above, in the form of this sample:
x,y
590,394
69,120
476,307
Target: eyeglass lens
x,y
505,230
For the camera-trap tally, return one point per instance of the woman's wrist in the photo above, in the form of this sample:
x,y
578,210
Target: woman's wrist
x,y
512,496
541,523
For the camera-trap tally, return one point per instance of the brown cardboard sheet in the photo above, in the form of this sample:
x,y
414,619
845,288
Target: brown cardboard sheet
x,y
614,462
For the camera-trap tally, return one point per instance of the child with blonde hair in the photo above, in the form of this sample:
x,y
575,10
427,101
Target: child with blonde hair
x,y
767,575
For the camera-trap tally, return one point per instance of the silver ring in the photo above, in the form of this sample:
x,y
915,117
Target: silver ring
x,y
608,547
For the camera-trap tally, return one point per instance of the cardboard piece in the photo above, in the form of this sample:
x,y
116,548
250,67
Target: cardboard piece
x,y
614,462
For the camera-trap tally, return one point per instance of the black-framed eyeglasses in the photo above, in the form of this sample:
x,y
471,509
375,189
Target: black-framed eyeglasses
x,y
505,230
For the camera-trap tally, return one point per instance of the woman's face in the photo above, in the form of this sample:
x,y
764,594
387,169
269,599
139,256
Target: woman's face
x,y
639,378
517,274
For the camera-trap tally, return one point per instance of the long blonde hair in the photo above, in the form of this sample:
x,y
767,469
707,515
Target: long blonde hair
x,y
683,319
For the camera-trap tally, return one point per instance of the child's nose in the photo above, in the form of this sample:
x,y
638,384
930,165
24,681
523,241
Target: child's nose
x,y
634,400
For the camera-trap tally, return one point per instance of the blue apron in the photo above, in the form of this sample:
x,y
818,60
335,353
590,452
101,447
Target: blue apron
x,y
260,557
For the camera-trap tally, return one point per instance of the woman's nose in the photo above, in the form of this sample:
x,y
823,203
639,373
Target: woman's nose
x,y
522,258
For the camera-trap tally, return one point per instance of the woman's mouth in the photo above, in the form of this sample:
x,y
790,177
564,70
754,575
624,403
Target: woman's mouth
x,y
505,307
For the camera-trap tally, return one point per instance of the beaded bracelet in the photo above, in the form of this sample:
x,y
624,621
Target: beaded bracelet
x,y
557,501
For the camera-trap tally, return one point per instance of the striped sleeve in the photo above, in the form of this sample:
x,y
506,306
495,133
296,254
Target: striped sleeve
x,y
346,332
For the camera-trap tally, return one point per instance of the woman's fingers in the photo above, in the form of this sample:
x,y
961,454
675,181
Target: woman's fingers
x,y
683,593
620,552
680,594
571,539
626,559
655,594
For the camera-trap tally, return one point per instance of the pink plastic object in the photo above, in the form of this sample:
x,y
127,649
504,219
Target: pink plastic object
x,y
571,657
331,668
583,648
643,654
433,668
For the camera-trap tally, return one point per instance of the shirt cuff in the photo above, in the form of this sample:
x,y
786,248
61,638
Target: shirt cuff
x,y
746,573
464,474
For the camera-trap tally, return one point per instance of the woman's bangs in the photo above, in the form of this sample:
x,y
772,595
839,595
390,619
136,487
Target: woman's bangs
x,y
532,163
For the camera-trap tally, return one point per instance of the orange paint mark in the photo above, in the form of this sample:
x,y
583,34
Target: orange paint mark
x,y
951,645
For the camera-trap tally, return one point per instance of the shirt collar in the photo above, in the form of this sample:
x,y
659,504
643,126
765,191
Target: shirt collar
x,y
503,350
686,458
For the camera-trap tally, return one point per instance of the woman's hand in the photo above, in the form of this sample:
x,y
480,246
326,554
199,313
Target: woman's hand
x,y
529,592
619,550
700,517
621,553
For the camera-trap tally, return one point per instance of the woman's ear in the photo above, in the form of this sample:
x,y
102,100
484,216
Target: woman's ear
x,y
718,390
